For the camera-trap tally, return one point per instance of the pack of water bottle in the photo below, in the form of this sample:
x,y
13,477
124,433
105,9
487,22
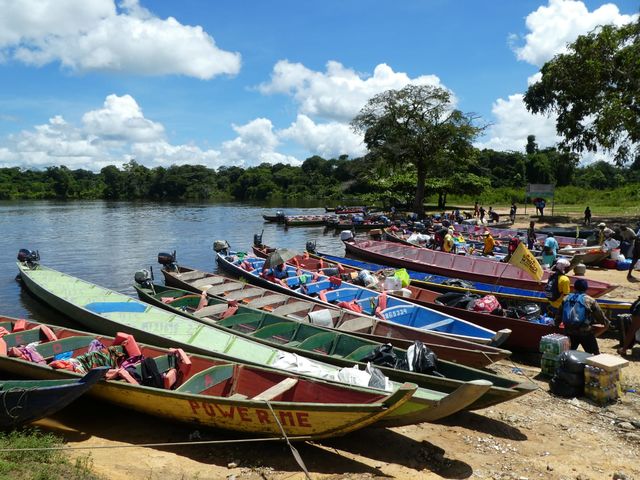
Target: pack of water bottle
x,y
554,344
602,386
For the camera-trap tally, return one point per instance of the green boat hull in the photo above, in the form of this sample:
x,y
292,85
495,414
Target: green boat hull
x,y
155,326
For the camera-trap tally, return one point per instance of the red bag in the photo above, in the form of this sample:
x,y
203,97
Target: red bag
x,y
486,304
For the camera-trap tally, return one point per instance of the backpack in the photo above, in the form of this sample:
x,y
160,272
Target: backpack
x,y
574,311
552,288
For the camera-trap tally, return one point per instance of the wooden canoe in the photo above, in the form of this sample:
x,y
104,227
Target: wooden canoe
x,y
448,264
525,335
304,220
108,312
25,401
319,343
328,290
466,353
209,392
508,295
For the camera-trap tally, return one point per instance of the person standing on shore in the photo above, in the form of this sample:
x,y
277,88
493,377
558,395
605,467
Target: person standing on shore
x,y
512,212
579,312
587,216
476,210
531,235
481,213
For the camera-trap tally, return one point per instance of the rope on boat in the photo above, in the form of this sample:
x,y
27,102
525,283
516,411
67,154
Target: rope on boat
x,y
293,449
167,444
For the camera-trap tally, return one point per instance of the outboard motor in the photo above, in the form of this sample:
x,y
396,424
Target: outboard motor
x,y
29,257
346,236
168,261
311,247
221,246
143,278
257,240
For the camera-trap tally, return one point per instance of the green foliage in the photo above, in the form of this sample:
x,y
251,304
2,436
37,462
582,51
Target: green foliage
x,y
39,464
416,125
593,89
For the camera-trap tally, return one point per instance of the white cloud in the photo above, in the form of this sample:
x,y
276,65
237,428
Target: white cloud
x,y
514,123
329,140
338,93
121,120
97,35
553,26
256,143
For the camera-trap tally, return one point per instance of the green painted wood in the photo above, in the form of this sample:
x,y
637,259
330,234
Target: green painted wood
x,y
206,379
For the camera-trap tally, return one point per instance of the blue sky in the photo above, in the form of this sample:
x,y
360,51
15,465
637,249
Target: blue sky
x,y
87,83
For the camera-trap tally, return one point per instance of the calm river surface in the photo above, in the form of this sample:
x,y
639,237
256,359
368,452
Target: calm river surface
x,y
106,242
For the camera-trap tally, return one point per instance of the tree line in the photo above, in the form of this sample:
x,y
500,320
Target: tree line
x,y
332,179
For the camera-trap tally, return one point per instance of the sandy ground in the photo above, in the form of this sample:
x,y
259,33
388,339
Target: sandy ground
x,y
536,436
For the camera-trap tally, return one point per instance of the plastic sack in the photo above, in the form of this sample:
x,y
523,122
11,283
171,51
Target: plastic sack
x,y
573,361
562,389
354,376
570,378
378,379
383,356
421,359
403,275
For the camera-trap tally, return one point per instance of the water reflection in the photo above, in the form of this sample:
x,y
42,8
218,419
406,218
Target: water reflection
x,y
106,242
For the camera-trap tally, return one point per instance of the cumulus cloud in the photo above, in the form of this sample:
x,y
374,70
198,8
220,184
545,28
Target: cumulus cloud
x,y
328,140
514,123
99,35
338,93
119,131
121,120
256,143
553,26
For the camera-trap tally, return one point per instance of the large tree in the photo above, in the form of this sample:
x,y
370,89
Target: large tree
x,y
416,125
594,89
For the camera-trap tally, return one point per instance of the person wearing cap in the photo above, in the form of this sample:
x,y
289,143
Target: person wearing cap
x,y
562,286
600,233
448,243
489,244
581,330
550,250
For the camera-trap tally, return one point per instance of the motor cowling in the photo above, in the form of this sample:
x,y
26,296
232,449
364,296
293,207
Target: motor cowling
x,y
166,258
142,277
257,240
220,246
29,257
311,247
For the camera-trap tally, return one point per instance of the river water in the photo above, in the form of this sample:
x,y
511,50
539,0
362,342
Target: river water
x,y
107,242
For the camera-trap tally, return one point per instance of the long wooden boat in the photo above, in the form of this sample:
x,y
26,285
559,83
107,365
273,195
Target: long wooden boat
x,y
319,343
506,233
328,290
201,390
465,267
274,218
304,220
438,283
466,353
364,226
525,335
109,312
25,401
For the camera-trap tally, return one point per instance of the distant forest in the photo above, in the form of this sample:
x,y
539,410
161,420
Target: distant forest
x,y
331,179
